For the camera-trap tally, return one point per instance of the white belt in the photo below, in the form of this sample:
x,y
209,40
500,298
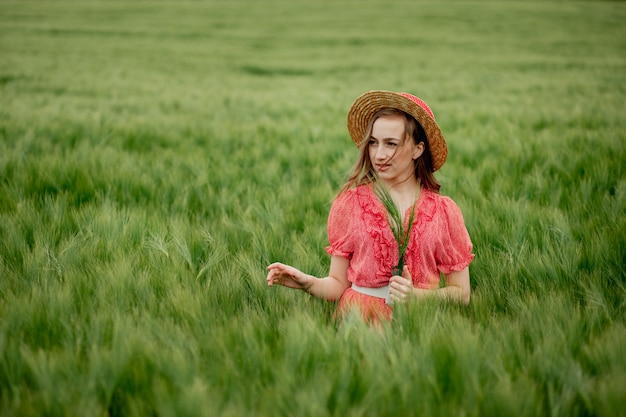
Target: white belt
x,y
382,292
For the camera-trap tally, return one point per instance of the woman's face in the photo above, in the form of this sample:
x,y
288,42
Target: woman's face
x,y
391,155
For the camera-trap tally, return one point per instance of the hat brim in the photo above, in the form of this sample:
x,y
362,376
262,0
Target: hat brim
x,y
366,105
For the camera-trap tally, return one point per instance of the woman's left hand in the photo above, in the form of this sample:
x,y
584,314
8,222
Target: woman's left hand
x,y
401,287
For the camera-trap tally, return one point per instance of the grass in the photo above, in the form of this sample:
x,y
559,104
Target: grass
x,y
156,156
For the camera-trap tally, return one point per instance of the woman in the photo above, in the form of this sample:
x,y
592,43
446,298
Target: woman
x,y
401,146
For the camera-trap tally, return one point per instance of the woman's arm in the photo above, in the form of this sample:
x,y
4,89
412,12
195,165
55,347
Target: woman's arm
x,y
328,288
457,287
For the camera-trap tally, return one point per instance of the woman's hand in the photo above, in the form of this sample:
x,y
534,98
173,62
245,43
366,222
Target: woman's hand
x,y
288,276
457,287
401,287
330,288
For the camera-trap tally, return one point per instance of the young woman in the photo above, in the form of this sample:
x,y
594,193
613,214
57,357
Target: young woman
x,y
401,146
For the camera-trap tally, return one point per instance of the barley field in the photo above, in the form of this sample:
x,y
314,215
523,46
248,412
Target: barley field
x,y
155,156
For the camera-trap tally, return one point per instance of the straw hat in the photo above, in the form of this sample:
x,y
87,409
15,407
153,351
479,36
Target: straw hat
x,y
366,105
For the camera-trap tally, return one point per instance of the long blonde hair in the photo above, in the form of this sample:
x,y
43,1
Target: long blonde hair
x,y
363,172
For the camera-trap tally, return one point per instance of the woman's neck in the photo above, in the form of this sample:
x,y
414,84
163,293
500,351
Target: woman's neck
x,y
404,194
404,188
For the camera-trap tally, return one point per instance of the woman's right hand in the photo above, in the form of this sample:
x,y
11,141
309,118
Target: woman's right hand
x,y
288,276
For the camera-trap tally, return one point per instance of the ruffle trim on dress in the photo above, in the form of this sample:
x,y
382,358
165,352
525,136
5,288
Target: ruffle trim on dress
x,y
426,207
374,217
332,251
446,269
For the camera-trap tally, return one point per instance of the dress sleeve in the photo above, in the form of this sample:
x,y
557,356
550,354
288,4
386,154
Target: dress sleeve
x,y
455,251
339,226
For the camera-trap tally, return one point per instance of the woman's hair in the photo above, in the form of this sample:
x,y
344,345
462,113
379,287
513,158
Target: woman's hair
x,y
363,172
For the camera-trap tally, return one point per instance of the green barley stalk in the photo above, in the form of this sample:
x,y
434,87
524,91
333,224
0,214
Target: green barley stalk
x,y
395,222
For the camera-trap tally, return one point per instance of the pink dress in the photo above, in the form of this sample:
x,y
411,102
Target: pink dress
x,y
358,230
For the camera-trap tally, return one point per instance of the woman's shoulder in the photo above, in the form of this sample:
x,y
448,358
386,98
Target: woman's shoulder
x,y
343,203
354,194
440,199
355,200
434,204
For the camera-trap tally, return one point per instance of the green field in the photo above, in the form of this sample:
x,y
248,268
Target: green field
x,y
155,156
